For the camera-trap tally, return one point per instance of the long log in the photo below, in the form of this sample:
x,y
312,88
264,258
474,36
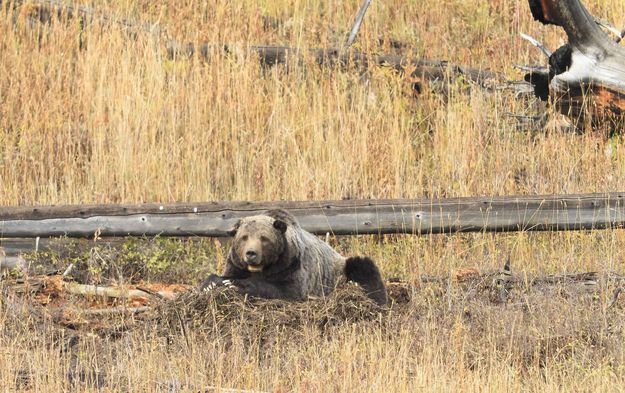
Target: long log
x,y
346,217
586,75
270,55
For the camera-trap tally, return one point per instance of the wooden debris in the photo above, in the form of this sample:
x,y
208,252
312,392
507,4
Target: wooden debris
x,y
269,55
357,23
586,76
114,292
345,217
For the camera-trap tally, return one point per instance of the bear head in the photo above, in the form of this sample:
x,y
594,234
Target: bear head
x,y
259,243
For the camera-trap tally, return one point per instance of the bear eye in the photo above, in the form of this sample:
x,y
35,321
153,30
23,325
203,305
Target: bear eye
x,y
264,239
244,237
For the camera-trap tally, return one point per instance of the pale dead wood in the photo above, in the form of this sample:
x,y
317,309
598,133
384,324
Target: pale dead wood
x,y
96,290
357,23
345,217
587,75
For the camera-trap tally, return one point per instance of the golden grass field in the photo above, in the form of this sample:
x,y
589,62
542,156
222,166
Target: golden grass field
x,y
92,114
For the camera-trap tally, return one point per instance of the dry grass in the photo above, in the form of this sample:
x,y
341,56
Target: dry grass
x,y
448,335
89,115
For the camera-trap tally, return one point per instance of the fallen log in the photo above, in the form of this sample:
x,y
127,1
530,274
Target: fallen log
x,y
420,70
99,312
346,217
96,290
271,55
586,76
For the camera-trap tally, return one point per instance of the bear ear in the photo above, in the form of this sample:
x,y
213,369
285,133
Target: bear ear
x,y
234,229
280,225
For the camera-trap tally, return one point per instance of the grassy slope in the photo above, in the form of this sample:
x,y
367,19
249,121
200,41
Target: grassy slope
x,y
116,122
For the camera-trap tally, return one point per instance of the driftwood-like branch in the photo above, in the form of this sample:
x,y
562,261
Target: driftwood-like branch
x,y
587,75
347,217
117,292
95,290
357,23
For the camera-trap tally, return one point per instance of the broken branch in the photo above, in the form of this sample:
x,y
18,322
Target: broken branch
x,y
587,75
357,23
95,290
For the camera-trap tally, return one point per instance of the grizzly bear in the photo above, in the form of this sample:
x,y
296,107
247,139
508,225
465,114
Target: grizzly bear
x,y
273,257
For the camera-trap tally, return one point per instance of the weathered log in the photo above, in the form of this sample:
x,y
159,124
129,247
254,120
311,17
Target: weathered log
x,y
119,310
346,217
270,55
587,75
96,290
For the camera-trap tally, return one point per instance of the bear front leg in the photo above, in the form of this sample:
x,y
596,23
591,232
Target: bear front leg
x,y
262,289
231,271
211,282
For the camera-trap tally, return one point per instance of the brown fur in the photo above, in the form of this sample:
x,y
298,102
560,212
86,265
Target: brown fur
x,y
273,257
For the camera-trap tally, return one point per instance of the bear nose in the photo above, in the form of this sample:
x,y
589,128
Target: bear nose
x,y
250,255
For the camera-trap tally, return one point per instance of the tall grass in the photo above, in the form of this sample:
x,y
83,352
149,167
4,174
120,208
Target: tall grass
x,y
117,122
96,114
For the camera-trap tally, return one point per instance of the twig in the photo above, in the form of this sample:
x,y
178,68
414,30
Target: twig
x,y
537,44
68,270
507,266
615,297
503,283
532,68
357,23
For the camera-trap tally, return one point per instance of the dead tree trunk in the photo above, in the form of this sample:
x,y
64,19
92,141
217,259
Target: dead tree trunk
x,y
422,70
349,217
587,75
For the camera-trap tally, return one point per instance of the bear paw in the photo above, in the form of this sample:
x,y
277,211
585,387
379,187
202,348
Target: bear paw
x,y
214,281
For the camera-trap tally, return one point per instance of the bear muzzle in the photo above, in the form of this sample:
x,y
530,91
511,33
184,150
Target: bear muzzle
x,y
252,261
